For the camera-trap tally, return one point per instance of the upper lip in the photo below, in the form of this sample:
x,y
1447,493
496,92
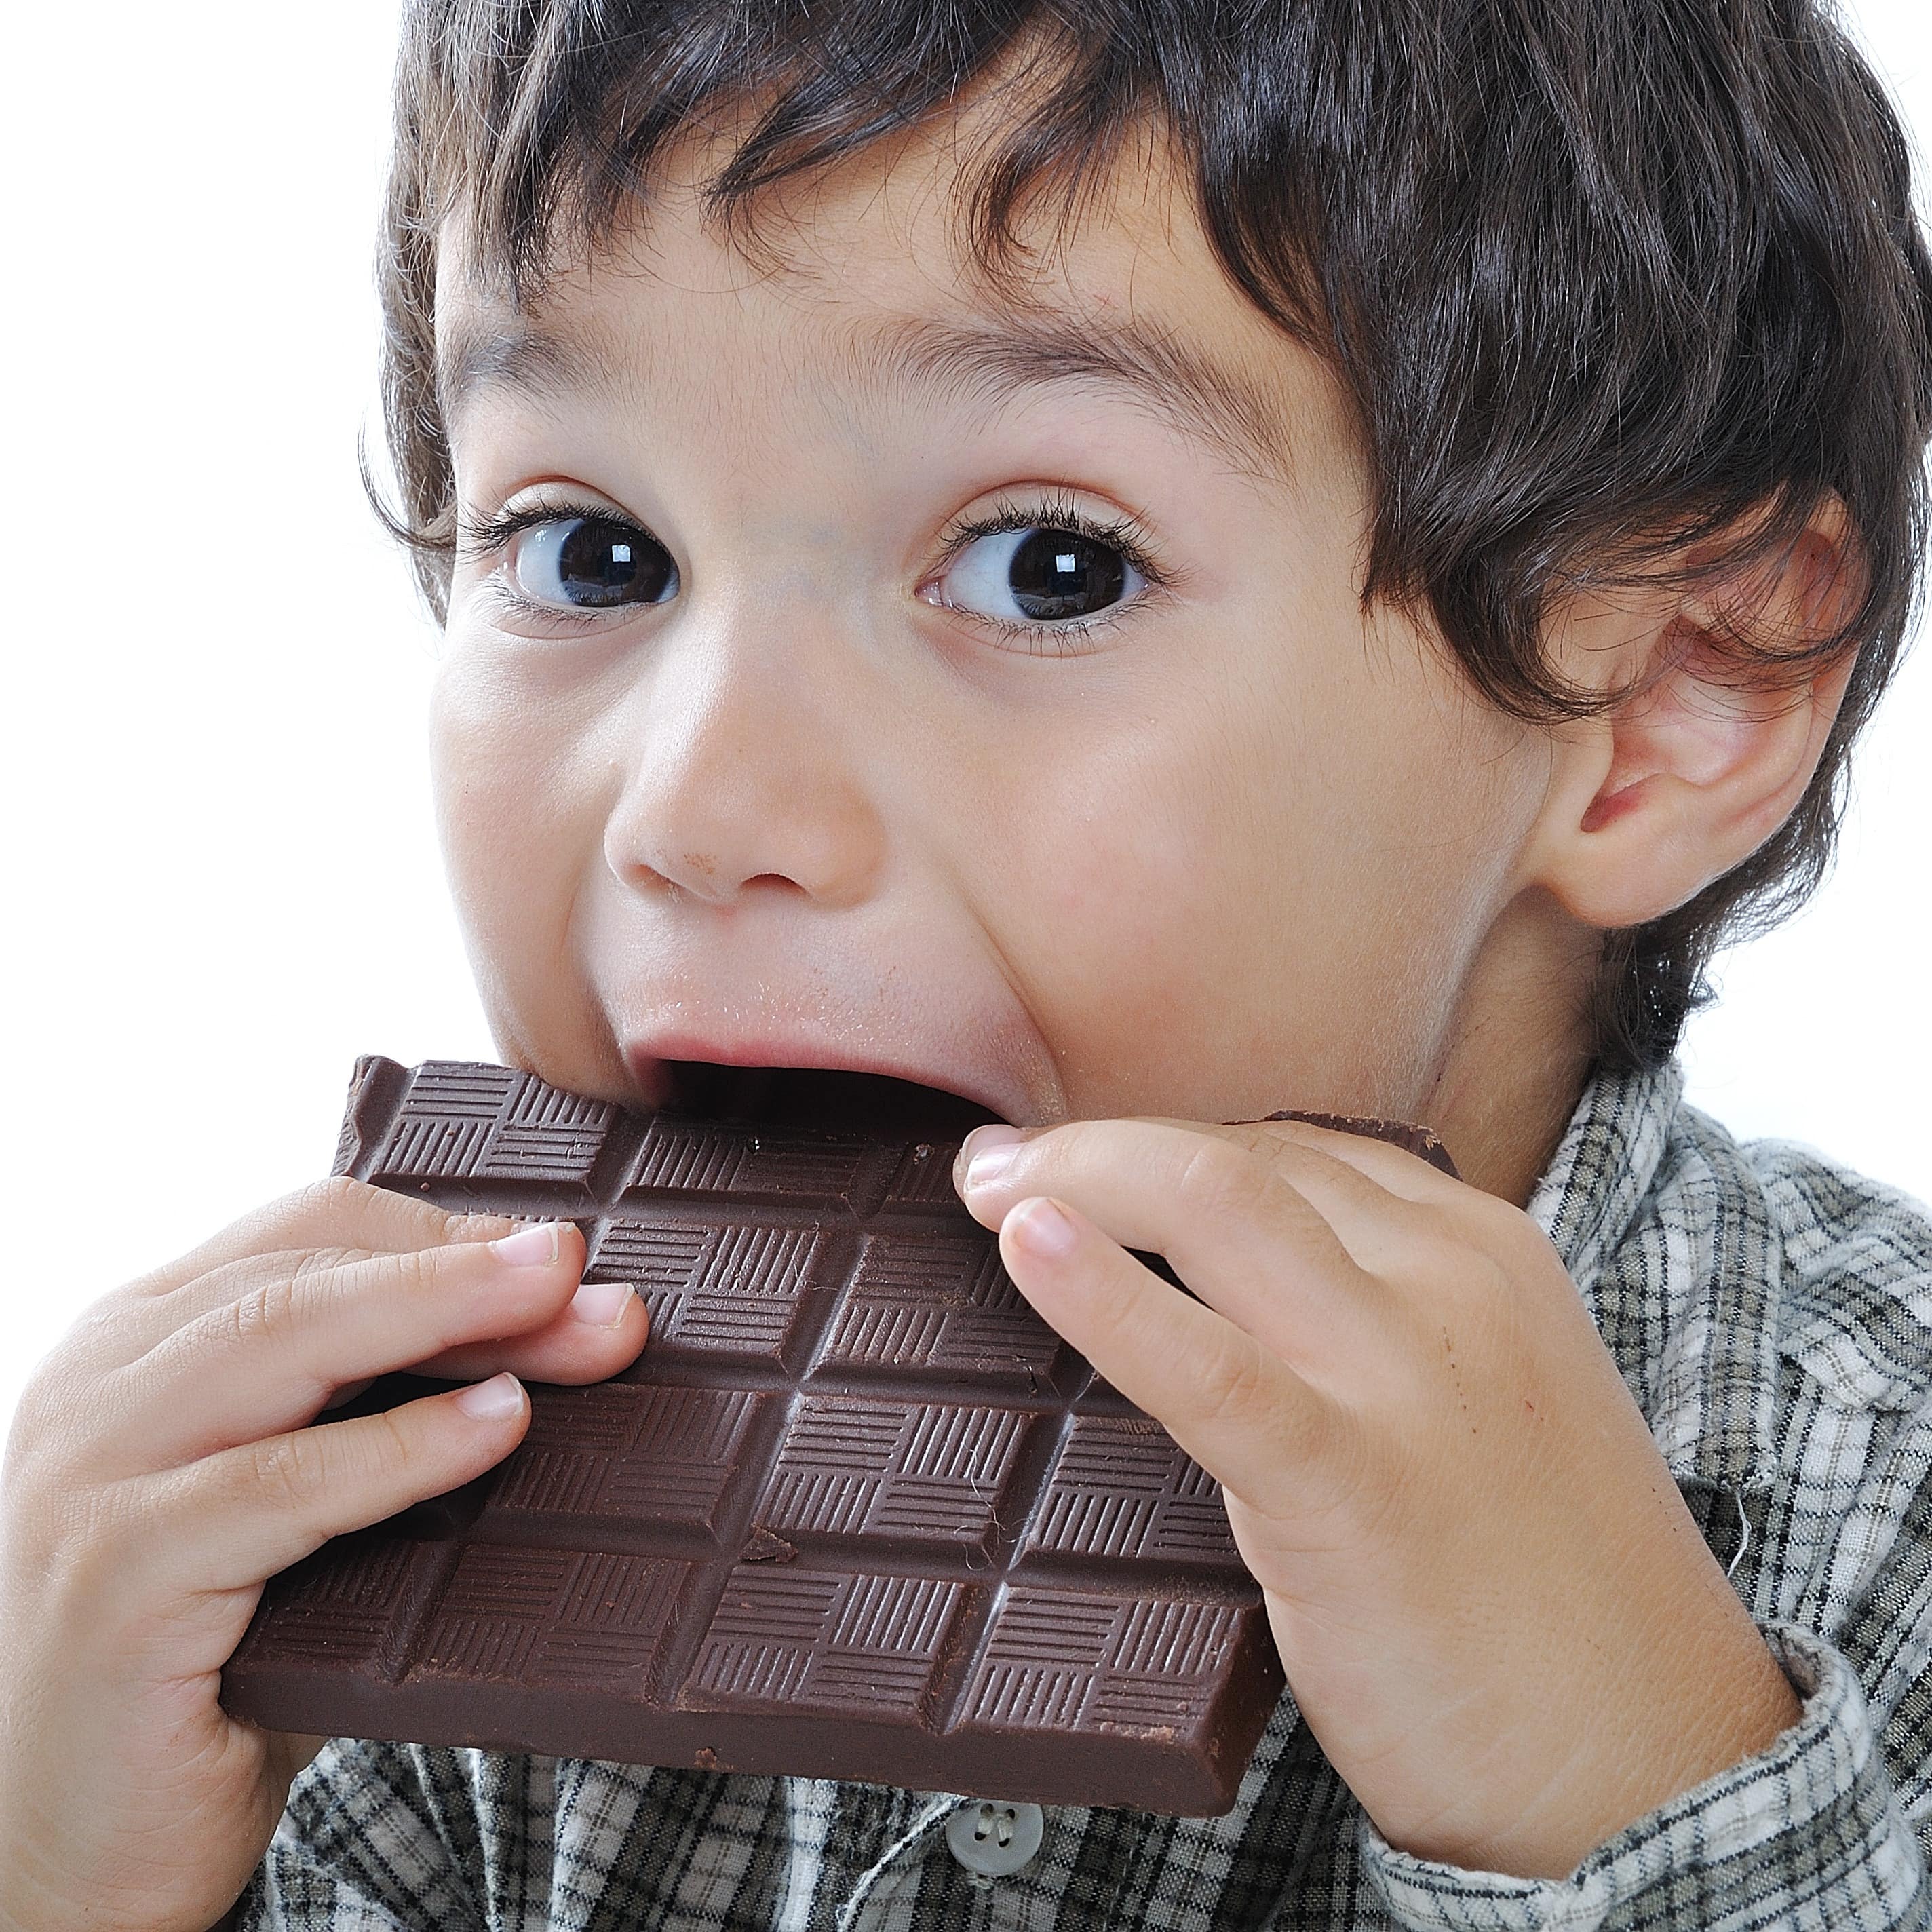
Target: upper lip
x,y
644,1056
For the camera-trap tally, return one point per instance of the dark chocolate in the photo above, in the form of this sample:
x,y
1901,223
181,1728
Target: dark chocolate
x,y
855,1512
1421,1142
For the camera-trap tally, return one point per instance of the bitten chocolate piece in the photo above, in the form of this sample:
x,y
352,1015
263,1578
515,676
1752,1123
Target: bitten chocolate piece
x,y
855,1512
1418,1141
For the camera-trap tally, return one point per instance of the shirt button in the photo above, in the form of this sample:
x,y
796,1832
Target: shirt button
x,y
990,1839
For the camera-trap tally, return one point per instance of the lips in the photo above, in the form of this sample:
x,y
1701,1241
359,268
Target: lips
x,y
782,1084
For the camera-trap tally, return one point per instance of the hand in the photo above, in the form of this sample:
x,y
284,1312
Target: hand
x,y
161,1466
1494,1610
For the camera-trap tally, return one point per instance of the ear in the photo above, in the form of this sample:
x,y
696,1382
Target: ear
x,y
1694,770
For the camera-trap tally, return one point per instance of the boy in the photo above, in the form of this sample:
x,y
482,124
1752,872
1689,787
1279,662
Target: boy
x,y
1142,564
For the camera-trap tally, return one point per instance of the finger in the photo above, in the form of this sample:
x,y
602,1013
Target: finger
x,y
338,1212
249,1368
601,1331
1350,1178
1382,1202
143,1325
136,1323
1240,1236
349,1392
1240,1411
291,1752
1391,1167
230,1521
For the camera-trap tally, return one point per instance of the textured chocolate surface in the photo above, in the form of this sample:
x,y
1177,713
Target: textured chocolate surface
x,y
855,1511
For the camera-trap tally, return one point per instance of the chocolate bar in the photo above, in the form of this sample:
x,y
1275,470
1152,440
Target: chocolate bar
x,y
855,1511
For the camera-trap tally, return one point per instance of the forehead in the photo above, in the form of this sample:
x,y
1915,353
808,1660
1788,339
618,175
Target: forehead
x,y
863,279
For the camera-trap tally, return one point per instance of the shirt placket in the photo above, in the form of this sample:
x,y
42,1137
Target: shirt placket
x,y
881,1897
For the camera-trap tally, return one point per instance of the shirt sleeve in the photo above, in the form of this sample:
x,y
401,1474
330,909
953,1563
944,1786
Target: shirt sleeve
x,y
364,1846
1809,1834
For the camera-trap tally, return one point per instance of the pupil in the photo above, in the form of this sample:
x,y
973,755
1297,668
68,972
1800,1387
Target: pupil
x,y
600,562
1056,574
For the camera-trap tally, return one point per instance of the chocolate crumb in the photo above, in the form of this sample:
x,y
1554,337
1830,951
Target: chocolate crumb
x,y
764,1547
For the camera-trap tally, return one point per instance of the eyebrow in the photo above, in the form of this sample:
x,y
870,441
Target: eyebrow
x,y
1241,417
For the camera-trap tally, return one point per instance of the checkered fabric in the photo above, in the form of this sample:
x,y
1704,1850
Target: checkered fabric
x,y
1772,1314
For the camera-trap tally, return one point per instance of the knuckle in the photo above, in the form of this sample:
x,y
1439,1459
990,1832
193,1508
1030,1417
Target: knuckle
x,y
100,1332
349,1457
464,1227
414,1270
1232,1380
39,1403
1499,1250
82,1544
1502,1226
323,1203
388,1443
115,1526
264,1312
312,1263
1264,1139
1378,1493
316,1212
289,1472
339,1207
51,1411
1222,1182
1525,1245
109,1312
280,1291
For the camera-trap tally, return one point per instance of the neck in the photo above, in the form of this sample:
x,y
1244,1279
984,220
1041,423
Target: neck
x,y
1519,1049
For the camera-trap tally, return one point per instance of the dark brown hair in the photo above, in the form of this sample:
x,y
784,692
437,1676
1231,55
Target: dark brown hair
x,y
1605,280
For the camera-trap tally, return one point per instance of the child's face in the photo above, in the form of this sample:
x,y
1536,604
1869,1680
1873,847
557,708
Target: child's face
x,y
1237,846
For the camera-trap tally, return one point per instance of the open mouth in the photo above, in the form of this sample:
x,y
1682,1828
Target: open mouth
x,y
835,1098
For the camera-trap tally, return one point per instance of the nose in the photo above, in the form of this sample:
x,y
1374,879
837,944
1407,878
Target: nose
x,y
738,769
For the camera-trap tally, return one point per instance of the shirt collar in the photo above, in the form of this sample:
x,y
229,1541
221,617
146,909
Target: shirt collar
x,y
1660,1224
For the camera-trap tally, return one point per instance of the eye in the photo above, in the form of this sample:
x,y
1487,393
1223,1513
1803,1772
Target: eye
x,y
589,563
1038,574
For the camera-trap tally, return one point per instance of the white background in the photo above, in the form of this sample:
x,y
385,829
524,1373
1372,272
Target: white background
x,y
223,880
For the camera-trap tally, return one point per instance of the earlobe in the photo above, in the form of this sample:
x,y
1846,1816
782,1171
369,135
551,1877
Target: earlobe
x,y
1701,763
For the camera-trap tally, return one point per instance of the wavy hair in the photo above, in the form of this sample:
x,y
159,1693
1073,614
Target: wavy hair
x,y
1603,280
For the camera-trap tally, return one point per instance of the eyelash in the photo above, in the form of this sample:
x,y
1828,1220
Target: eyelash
x,y
1058,512
490,536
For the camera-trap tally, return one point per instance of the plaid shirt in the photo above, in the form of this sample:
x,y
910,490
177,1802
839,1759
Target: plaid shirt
x,y
1772,1314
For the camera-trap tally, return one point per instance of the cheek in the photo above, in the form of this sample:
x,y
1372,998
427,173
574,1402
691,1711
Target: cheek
x,y
1257,893
1121,888
511,827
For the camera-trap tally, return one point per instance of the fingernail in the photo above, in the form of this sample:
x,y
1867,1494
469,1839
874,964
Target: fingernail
x,y
491,1401
987,1153
1039,1225
602,1303
528,1247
